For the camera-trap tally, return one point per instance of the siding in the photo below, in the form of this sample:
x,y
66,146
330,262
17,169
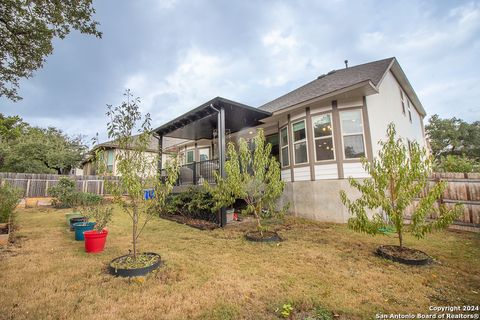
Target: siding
x,y
286,175
302,173
326,171
354,170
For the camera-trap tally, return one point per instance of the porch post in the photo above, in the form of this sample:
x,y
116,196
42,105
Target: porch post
x,y
160,153
221,157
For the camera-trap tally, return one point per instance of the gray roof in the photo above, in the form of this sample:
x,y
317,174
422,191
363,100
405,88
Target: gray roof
x,y
331,82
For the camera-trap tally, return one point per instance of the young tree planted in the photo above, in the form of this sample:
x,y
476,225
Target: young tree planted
x,y
398,177
136,168
253,176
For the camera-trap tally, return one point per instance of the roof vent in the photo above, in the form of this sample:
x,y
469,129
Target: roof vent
x,y
332,72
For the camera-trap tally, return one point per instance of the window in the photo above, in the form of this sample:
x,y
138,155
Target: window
x,y
409,111
352,133
110,160
402,97
204,154
285,157
274,141
299,142
190,156
322,133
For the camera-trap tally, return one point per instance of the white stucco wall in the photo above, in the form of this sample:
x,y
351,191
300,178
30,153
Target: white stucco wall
x,y
386,107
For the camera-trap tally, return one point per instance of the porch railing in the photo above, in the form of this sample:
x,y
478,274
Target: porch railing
x,y
197,172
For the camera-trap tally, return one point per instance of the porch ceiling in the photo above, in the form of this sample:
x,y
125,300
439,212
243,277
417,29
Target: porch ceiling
x,y
200,122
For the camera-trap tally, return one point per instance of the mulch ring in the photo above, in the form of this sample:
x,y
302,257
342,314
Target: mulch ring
x,y
403,255
195,223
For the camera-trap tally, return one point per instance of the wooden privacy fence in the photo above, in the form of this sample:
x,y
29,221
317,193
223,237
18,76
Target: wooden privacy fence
x,y
462,188
37,184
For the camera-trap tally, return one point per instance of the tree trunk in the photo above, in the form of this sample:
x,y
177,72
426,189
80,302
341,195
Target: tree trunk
x,y
400,239
134,231
259,225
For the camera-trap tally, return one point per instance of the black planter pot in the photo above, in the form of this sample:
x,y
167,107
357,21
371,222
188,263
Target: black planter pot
x,y
75,220
382,251
269,236
137,272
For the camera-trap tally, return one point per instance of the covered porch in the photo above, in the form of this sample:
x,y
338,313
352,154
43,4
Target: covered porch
x,y
205,130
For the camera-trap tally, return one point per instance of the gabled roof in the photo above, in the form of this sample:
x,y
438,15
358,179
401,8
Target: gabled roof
x,y
372,72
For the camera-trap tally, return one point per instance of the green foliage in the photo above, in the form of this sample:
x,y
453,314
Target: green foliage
x,y
320,314
286,311
137,169
64,194
253,176
100,212
36,150
195,203
397,178
27,30
9,199
453,137
454,163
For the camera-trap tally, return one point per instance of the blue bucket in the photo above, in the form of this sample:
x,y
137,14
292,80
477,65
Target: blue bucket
x,y
148,194
80,227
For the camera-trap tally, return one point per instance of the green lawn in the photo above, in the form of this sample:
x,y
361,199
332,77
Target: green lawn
x,y
218,275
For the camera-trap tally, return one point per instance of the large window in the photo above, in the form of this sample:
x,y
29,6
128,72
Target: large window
x,y
299,142
285,157
110,160
274,141
352,133
322,133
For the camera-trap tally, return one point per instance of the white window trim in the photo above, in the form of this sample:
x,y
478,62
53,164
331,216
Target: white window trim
x,y
402,100
284,146
203,148
300,141
326,137
353,134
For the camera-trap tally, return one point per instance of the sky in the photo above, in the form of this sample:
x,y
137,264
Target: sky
x,y
177,54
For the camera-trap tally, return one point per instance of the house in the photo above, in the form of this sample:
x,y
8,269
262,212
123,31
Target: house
x,y
318,131
111,150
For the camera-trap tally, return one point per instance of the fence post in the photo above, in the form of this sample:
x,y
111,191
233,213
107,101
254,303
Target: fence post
x,y
27,192
83,185
46,188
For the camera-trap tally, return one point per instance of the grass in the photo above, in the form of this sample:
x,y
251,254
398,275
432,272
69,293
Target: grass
x,y
219,275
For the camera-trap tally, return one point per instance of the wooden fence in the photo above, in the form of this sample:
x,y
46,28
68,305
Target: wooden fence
x,y
462,188
36,185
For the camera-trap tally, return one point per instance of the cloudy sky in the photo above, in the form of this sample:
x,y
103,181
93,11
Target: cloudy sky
x,y
176,55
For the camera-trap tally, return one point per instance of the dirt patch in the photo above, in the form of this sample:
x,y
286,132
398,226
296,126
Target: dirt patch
x,y
404,255
195,223
265,236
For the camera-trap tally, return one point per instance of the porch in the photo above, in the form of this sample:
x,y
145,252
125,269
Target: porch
x,y
202,135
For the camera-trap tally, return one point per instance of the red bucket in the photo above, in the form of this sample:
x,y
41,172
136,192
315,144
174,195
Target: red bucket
x,y
94,240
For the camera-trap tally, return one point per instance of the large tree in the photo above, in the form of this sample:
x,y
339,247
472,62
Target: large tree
x,y
453,137
40,150
27,30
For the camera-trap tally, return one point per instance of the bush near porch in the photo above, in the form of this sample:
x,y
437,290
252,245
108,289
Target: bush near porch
x,y
219,275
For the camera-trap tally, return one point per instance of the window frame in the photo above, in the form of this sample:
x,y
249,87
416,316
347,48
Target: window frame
x,y
107,165
353,134
332,136
287,146
305,140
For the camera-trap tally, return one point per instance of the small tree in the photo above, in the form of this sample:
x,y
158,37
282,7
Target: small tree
x,y
253,176
136,168
398,176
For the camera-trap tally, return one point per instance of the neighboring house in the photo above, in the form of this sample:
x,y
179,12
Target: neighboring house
x,y
319,132
111,150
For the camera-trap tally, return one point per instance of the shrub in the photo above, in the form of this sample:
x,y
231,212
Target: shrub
x,y
64,193
195,203
453,163
9,199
